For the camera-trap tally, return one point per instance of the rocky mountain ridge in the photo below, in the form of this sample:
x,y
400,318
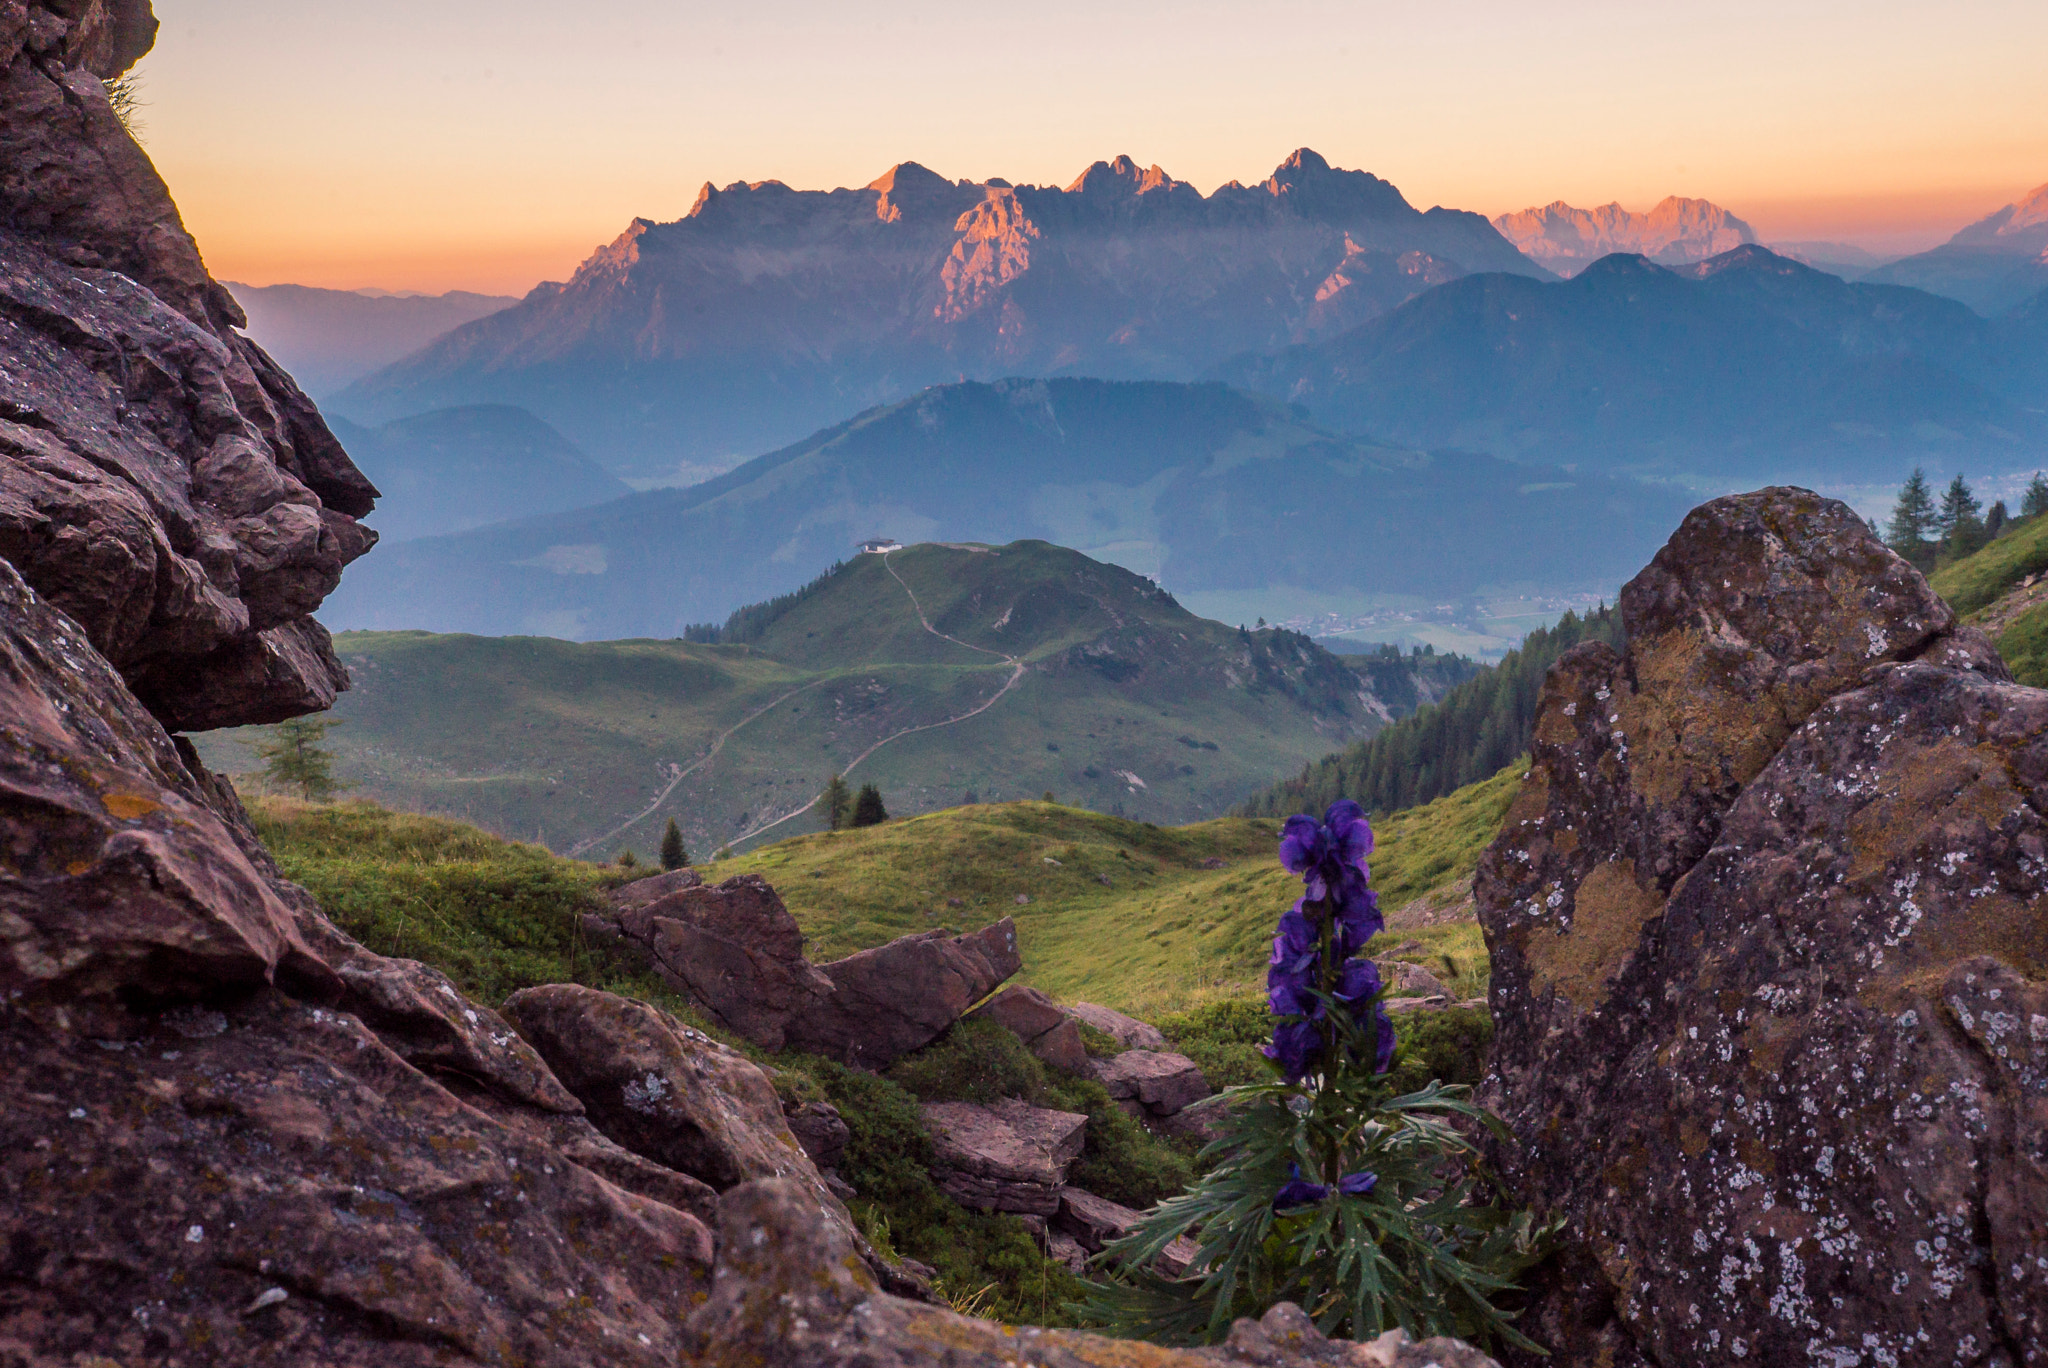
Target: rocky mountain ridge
x,y
1675,232
670,343
1994,265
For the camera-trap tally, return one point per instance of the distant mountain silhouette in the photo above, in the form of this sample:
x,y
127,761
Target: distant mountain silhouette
x,y
1201,486
768,312
1744,366
1993,265
1678,231
455,469
326,338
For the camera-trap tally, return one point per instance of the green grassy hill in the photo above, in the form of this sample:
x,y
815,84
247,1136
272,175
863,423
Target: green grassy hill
x,y
1989,588
1042,670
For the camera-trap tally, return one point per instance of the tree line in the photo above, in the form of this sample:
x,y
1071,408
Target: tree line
x,y
1931,534
1478,727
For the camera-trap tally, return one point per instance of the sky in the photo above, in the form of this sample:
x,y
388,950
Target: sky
x,y
491,144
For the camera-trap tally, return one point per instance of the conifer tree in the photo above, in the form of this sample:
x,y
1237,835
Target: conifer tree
x,y
835,803
1911,530
1961,520
1995,520
673,855
2035,502
295,759
867,808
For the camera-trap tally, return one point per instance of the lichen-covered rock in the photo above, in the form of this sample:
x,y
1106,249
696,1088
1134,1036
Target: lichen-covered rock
x,y
902,996
822,1132
660,1088
789,1294
1770,938
161,481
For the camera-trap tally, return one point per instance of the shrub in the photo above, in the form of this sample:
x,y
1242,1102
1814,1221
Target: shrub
x,y
1225,1038
974,1061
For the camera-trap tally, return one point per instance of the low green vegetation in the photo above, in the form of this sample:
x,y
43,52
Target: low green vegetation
x,y
1479,727
1976,581
1143,918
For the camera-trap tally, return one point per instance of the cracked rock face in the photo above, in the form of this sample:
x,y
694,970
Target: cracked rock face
x,y
1770,966
161,480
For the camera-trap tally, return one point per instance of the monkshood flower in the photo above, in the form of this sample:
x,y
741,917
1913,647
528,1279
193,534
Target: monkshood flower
x,y
1330,857
1357,984
1299,1192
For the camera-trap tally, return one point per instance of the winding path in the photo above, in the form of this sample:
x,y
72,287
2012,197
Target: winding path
x,y
1016,675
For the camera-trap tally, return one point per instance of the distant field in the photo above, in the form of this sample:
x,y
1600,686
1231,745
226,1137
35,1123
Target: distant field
x,y
1125,702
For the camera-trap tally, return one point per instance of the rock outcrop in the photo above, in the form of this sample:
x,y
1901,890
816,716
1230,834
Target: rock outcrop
x,y
1770,965
1095,1221
736,952
788,1294
161,481
1042,1024
1126,1031
1007,1156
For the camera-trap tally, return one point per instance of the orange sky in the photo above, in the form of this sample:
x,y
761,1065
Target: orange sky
x,y
438,144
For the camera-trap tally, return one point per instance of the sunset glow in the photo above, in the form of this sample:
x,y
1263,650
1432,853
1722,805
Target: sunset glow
x,y
460,144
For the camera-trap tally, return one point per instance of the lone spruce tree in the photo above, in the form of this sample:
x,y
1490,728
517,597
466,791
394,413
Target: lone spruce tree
x,y
1961,520
867,808
294,759
673,855
2035,501
1913,522
835,803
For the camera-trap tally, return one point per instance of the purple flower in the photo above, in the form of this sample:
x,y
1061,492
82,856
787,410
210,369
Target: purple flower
x,y
1294,1045
1357,1184
1358,915
1357,984
1298,1191
1328,853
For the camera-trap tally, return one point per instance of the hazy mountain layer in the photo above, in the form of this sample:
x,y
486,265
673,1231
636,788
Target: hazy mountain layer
x,y
460,468
1204,487
1744,366
1674,233
768,312
326,338
1040,669
1996,263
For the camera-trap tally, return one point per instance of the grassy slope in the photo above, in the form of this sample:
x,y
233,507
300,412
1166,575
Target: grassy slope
x,y
557,741
1163,934
1975,586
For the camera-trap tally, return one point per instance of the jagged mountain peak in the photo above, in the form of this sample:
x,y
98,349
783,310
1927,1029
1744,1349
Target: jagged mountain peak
x,y
1311,187
1676,231
1121,176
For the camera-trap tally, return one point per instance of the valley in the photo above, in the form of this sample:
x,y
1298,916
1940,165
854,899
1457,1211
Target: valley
x,y
935,672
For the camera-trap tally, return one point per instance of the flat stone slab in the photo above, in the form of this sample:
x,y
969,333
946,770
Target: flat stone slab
x,y
1128,1032
1162,1082
1095,1221
1009,1156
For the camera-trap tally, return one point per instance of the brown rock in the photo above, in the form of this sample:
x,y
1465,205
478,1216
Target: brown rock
x,y
819,1128
1411,980
1766,922
787,1295
1128,1032
1162,1083
161,481
1096,1221
1044,1027
900,997
1006,1157
734,950
660,1088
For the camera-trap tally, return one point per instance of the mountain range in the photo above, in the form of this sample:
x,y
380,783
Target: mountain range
x,y
1674,233
454,469
1995,264
1741,367
768,312
1200,486
326,338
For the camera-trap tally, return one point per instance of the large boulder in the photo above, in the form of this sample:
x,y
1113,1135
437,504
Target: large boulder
x,y
1127,1031
902,996
789,1294
733,950
1008,1156
660,1088
1770,966
161,481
